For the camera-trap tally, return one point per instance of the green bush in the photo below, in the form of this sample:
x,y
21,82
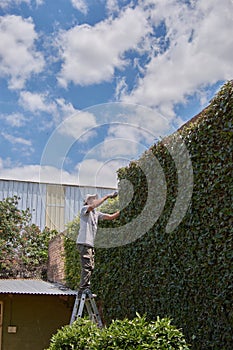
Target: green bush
x,y
186,274
78,336
23,246
134,334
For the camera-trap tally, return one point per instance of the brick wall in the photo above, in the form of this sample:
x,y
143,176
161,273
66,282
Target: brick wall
x,y
56,265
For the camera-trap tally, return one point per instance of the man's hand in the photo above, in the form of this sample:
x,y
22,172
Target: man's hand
x,y
96,202
113,195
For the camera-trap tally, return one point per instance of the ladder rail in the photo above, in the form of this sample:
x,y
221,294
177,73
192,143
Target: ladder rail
x,y
86,299
81,305
96,313
75,308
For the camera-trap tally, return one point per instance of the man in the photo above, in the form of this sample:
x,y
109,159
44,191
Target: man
x,y
89,217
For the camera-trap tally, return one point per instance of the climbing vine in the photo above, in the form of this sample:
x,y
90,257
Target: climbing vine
x,y
185,274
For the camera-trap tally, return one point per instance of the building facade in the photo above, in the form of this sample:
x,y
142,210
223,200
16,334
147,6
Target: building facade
x,y
51,205
31,311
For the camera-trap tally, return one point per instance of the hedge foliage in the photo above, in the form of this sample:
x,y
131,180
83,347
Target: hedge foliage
x,y
72,259
185,274
135,334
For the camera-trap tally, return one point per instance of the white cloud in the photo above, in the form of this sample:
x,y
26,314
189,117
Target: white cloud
x,y
7,3
91,54
123,139
10,3
112,6
92,172
39,2
138,123
199,51
79,126
80,5
36,102
54,175
129,134
116,149
194,51
14,119
18,56
16,140
66,108
131,130
121,88
37,173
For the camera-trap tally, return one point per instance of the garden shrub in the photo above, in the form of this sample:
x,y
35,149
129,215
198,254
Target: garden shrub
x,y
23,246
78,336
185,274
135,334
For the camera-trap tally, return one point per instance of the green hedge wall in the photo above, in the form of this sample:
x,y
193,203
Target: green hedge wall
x,y
186,274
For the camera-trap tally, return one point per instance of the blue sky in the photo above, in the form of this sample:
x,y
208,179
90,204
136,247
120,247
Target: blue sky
x,y
87,86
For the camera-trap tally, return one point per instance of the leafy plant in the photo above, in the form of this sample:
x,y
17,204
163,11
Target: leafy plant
x,y
24,247
125,334
79,336
72,259
186,274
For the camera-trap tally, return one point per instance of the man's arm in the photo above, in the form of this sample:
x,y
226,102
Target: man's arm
x,y
111,216
97,202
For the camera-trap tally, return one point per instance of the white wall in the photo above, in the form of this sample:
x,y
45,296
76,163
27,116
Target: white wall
x,y
38,197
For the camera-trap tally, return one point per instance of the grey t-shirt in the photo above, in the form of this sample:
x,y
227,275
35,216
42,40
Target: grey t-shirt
x,y
88,226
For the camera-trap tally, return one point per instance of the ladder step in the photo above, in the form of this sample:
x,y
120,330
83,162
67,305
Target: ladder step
x,y
86,299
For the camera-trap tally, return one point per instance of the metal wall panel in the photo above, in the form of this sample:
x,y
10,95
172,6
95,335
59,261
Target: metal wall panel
x,y
32,195
55,207
75,196
51,205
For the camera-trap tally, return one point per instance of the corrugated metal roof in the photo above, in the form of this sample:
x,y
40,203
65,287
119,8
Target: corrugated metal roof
x,y
27,286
